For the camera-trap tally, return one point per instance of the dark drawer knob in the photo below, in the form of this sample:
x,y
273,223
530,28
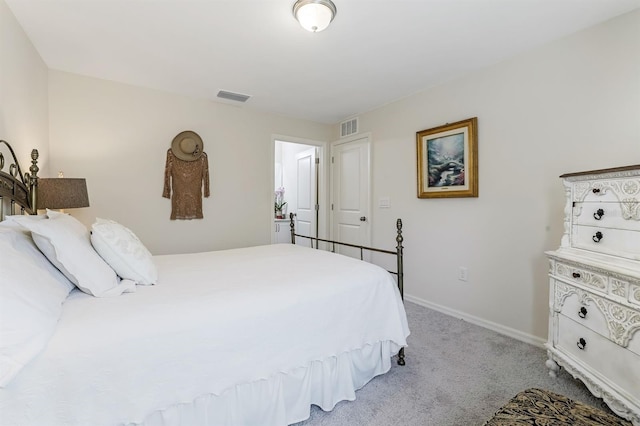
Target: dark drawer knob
x,y
583,312
598,214
596,238
576,275
595,190
581,344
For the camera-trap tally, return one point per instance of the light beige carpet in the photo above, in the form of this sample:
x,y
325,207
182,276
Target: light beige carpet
x,y
457,374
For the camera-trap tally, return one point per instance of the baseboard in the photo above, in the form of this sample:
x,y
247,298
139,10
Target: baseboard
x,y
498,328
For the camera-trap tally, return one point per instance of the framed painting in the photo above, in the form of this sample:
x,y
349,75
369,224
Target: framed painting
x,y
448,160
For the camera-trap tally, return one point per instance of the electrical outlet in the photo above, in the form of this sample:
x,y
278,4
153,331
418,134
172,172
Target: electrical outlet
x,y
463,273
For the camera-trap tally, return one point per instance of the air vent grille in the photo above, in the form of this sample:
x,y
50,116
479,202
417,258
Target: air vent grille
x,y
238,97
349,127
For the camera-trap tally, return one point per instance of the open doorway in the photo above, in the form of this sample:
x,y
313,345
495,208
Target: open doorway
x,y
299,181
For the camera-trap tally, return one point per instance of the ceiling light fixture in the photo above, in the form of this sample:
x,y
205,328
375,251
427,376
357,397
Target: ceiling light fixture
x,y
314,15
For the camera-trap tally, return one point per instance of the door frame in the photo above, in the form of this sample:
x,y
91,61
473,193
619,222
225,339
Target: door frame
x,y
344,141
323,177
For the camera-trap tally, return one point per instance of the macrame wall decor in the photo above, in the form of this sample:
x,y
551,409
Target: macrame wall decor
x,y
185,173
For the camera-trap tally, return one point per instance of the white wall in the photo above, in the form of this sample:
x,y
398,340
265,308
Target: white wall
x,y
117,136
23,93
569,106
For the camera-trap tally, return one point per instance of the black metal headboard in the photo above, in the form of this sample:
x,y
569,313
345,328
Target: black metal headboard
x,y
16,188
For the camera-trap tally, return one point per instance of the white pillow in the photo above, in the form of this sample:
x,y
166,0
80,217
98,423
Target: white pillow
x,y
23,242
9,223
123,251
31,295
66,243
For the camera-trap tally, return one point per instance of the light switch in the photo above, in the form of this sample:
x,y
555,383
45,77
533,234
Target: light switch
x,y
384,203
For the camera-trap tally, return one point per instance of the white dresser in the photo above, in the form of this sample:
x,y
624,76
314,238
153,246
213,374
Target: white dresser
x,y
594,295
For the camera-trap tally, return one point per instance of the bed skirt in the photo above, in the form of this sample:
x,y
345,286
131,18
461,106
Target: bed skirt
x,y
285,397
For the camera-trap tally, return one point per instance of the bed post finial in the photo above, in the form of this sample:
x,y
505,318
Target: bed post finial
x,y
293,230
399,248
33,181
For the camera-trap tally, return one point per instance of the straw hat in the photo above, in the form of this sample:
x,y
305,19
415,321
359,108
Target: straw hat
x,y
187,146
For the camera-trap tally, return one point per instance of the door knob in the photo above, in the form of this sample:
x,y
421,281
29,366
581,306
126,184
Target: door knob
x,y
362,218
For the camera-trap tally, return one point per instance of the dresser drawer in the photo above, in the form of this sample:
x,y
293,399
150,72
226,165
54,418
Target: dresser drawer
x,y
617,322
617,364
617,242
608,189
605,214
585,312
580,275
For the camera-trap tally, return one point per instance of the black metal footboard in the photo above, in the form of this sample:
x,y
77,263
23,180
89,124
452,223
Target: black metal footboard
x,y
398,253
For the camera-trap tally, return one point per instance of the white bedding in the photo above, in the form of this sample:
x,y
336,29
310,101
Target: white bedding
x,y
217,324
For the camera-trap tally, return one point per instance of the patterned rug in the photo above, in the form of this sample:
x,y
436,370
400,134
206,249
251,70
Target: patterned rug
x,y
543,408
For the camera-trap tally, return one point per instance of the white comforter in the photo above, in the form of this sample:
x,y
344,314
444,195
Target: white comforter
x,y
214,321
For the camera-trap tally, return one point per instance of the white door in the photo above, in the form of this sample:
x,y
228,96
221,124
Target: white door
x,y
350,195
306,195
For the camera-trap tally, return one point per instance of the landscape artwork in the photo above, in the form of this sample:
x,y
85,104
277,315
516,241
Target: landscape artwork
x,y
445,161
448,160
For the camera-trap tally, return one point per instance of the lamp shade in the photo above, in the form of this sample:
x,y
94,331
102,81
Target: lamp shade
x,y
314,15
62,193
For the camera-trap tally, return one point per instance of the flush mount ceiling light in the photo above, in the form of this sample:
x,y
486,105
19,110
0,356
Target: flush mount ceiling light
x,y
314,15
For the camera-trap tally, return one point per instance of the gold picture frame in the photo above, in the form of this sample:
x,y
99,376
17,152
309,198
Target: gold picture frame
x,y
448,160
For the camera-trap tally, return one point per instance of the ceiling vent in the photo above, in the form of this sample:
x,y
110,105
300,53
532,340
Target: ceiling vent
x,y
238,97
349,127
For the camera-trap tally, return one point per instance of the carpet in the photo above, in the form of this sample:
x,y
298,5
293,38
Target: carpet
x,y
457,374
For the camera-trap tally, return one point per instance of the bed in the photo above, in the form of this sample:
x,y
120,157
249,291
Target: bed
x,y
220,338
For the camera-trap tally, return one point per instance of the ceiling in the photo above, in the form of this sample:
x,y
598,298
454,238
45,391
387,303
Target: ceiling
x,y
373,53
